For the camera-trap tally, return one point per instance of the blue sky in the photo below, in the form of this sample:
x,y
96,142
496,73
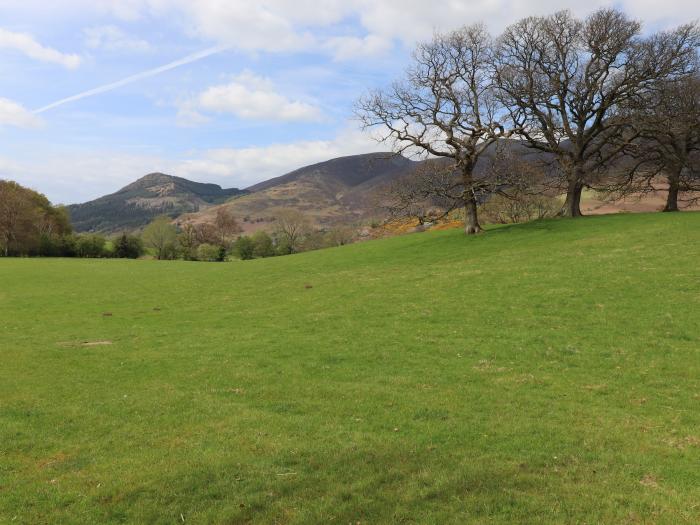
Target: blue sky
x,y
260,88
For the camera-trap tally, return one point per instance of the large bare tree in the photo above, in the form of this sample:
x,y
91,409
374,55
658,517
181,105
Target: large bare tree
x,y
444,107
667,122
564,80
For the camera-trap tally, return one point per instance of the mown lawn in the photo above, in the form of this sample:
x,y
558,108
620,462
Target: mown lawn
x,y
544,373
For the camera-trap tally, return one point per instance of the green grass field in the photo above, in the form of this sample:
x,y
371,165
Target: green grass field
x,y
542,373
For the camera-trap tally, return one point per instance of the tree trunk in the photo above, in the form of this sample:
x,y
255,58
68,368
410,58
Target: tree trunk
x,y
471,219
672,198
572,205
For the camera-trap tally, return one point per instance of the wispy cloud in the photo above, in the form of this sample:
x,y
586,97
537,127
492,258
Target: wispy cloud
x,y
25,43
111,38
16,115
194,57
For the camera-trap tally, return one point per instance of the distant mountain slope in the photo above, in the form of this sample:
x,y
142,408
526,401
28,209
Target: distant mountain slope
x,y
338,190
138,203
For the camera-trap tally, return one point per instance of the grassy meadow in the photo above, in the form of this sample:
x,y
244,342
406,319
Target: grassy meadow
x,y
540,373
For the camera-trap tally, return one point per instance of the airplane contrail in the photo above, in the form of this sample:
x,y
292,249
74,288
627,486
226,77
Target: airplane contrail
x,y
133,78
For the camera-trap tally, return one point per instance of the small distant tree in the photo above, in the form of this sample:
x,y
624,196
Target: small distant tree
x,y
226,227
188,241
91,246
67,246
263,245
206,233
161,236
128,247
519,207
208,252
314,240
340,235
244,248
291,226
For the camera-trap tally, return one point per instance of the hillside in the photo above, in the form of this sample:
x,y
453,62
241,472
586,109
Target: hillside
x,y
540,373
138,203
341,190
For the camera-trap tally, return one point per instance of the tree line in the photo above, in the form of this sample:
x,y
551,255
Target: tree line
x,y
30,226
595,103
216,240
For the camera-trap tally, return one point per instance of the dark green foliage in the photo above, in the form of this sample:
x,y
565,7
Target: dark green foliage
x,y
128,247
244,248
263,245
91,246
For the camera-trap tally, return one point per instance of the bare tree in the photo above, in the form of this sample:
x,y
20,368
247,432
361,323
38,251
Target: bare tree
x,y
341,235
188,241
564,80
226,226
433,189
445,107
292,226
667,120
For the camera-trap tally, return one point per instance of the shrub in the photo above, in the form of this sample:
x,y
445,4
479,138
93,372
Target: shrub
x,y
263,245
128,247
208,252
520,207
244,248
90,246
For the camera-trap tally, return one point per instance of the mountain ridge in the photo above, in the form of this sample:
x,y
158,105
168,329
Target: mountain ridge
x,y
137,203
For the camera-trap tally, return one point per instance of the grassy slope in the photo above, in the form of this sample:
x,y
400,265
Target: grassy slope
x,y
540,373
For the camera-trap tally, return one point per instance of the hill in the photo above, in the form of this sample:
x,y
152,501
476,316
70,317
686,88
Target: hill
x,y
340,190
540,373
138,203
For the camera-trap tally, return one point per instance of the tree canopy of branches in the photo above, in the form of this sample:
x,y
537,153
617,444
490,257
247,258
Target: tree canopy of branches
x,y
564,80
291,227
666,120
446,107
226,227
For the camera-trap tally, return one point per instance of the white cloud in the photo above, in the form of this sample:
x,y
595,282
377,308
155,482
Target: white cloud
x,y
188,114
111,38
14,114
78,176
352,48
253,97
250,26
26,44
284,26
